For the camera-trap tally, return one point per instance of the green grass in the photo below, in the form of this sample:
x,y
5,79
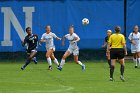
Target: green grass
x,y
95,79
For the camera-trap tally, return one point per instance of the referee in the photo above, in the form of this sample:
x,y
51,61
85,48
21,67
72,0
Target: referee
x,y
118,51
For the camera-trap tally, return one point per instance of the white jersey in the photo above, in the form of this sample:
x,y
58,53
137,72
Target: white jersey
x,y
136,39
70,39
49,39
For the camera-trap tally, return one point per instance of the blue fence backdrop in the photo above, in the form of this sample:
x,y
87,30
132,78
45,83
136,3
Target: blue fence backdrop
x,y
16,15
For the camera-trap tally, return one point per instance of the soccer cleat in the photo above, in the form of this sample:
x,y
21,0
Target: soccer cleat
x,y
34,59
122,78
83,67
50,68
136,66
22,68
111,79
59,68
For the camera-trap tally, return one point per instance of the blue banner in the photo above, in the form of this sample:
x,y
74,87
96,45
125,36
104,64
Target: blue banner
x,y
133,16
16,15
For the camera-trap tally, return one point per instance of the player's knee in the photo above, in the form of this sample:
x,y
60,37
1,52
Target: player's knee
x,y
47,56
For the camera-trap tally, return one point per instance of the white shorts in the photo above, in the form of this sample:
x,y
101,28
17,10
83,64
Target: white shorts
x,y
75,52
53,48
134,50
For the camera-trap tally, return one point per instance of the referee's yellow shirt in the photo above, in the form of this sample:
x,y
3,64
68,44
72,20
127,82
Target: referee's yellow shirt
x,y
116,40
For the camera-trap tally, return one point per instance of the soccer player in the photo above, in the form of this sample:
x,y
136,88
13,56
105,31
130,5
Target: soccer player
x,y
73,38
32,42
117,51
134,38
109,32
50,47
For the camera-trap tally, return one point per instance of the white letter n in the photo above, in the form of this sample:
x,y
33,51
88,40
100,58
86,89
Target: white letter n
x,y
10,18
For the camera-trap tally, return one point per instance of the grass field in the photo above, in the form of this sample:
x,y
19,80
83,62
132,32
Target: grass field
x,y
95,79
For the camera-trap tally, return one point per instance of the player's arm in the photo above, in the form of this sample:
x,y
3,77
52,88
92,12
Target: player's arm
x,y
43,39
63,40
23,42
58,38
124,45
76,39
109,44
130,39
105,43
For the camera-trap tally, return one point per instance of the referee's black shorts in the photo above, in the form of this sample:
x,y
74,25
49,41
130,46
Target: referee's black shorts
x,y
117,53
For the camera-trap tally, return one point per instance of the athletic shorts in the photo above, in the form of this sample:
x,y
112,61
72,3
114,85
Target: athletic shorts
x,y
29,51
75,52
134,49
53,48
117,53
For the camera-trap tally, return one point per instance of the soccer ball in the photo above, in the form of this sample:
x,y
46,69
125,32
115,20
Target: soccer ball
x,y
85,21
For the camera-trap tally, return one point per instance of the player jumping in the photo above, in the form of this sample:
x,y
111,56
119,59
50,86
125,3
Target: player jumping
x,y
134,38
50,47
109,32
73,48
32,42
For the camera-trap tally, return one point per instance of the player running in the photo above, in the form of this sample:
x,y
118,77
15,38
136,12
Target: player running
x,y
32,42
134,38
50,47
73,38
109,32
117,51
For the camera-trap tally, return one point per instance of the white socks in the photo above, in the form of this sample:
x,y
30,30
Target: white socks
x,y
135,61
139,61
62,63
49,61
80,63
56,62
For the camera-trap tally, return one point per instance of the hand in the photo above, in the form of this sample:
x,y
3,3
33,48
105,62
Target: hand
x,y
22,42
133,42
58,38
103,46
43,40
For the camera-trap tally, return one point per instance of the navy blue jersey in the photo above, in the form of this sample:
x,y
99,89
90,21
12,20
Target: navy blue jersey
x,y
106,39
31,41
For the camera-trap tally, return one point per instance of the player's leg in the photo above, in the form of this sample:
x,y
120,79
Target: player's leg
x,y
108,58
122,69
113,56
54,59
67,53
29,58
79,62
138,57
48,54
135,60
76,53
112,68
121,59
34,60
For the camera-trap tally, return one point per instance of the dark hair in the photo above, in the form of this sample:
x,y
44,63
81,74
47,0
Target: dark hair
x,y
28,28
117,29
